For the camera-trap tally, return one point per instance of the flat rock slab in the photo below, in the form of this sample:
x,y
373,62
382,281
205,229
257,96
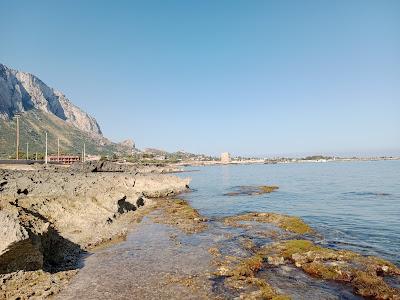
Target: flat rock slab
x,y
155,262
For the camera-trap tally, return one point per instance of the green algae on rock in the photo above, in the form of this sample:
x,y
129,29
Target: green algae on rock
x,y
364,273
289,223
179,213
268,188
245,190
240,274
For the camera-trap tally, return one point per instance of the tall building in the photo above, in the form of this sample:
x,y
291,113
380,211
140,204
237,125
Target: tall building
x,y
225,157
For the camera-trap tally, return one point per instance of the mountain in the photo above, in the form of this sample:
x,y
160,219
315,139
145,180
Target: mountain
x,y
44,109
154,151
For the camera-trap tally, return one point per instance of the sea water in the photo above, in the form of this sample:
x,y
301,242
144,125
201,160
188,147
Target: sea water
x,y
354,205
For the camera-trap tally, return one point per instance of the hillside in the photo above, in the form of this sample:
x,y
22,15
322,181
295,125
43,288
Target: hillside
x,y
34,124
44,109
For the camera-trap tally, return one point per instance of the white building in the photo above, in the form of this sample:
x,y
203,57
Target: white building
x,y
225,157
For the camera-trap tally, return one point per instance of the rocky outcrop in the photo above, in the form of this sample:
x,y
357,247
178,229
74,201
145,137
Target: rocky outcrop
x,y
155,151
102,166
129,143
45,109
48,217
108,166
31,242
20,91
15,240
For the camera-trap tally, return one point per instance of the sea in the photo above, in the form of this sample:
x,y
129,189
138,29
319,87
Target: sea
x,y
354,205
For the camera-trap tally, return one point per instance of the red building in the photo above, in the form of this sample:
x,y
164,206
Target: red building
x,y
64,159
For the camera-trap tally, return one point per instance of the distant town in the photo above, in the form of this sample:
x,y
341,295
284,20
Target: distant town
x,y
161,157
226,158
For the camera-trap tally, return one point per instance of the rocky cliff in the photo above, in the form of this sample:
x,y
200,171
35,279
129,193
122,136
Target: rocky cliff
x,y
20,92
44,109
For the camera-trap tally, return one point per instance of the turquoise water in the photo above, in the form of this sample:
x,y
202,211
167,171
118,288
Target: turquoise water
x,y
354,205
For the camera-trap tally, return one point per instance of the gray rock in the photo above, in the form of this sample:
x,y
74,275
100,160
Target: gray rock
x,y
65,212
20,91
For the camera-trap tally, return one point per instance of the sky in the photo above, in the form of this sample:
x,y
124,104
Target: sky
x,y
260,78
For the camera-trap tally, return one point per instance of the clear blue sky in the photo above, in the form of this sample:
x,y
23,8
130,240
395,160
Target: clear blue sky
x,y
249,77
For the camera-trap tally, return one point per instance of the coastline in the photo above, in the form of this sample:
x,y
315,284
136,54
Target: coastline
x,y
194,163
51,216
57,216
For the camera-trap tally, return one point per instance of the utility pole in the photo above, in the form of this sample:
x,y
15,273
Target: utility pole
x,y
17,118
83,152
58,149
45,155
27,151
36,156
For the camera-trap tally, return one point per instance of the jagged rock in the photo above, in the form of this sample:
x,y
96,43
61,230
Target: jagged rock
x,y
102,166
12,232
78,204
129,143
20,245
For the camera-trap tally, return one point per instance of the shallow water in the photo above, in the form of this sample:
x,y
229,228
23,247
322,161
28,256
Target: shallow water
x,y
153,263
354,205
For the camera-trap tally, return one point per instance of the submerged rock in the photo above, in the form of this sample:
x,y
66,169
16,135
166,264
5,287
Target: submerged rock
x,y
240,274
289,223
365,273
180,214
252,190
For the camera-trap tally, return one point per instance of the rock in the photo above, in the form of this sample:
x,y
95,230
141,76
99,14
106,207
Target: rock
x,y
224,271
248,190
289,223
129,143
44,109
125,206
21,243
385,269
364,273
66,212
276,260
102,166
11,231
20,91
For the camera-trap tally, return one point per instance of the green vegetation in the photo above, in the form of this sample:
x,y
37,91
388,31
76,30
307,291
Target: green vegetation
x,y
33,126
242,275
268,188
252,190
364,273
317,157
289,223
296,246
179,213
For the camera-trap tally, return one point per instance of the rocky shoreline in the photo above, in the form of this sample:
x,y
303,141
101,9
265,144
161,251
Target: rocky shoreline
x,y
51,216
